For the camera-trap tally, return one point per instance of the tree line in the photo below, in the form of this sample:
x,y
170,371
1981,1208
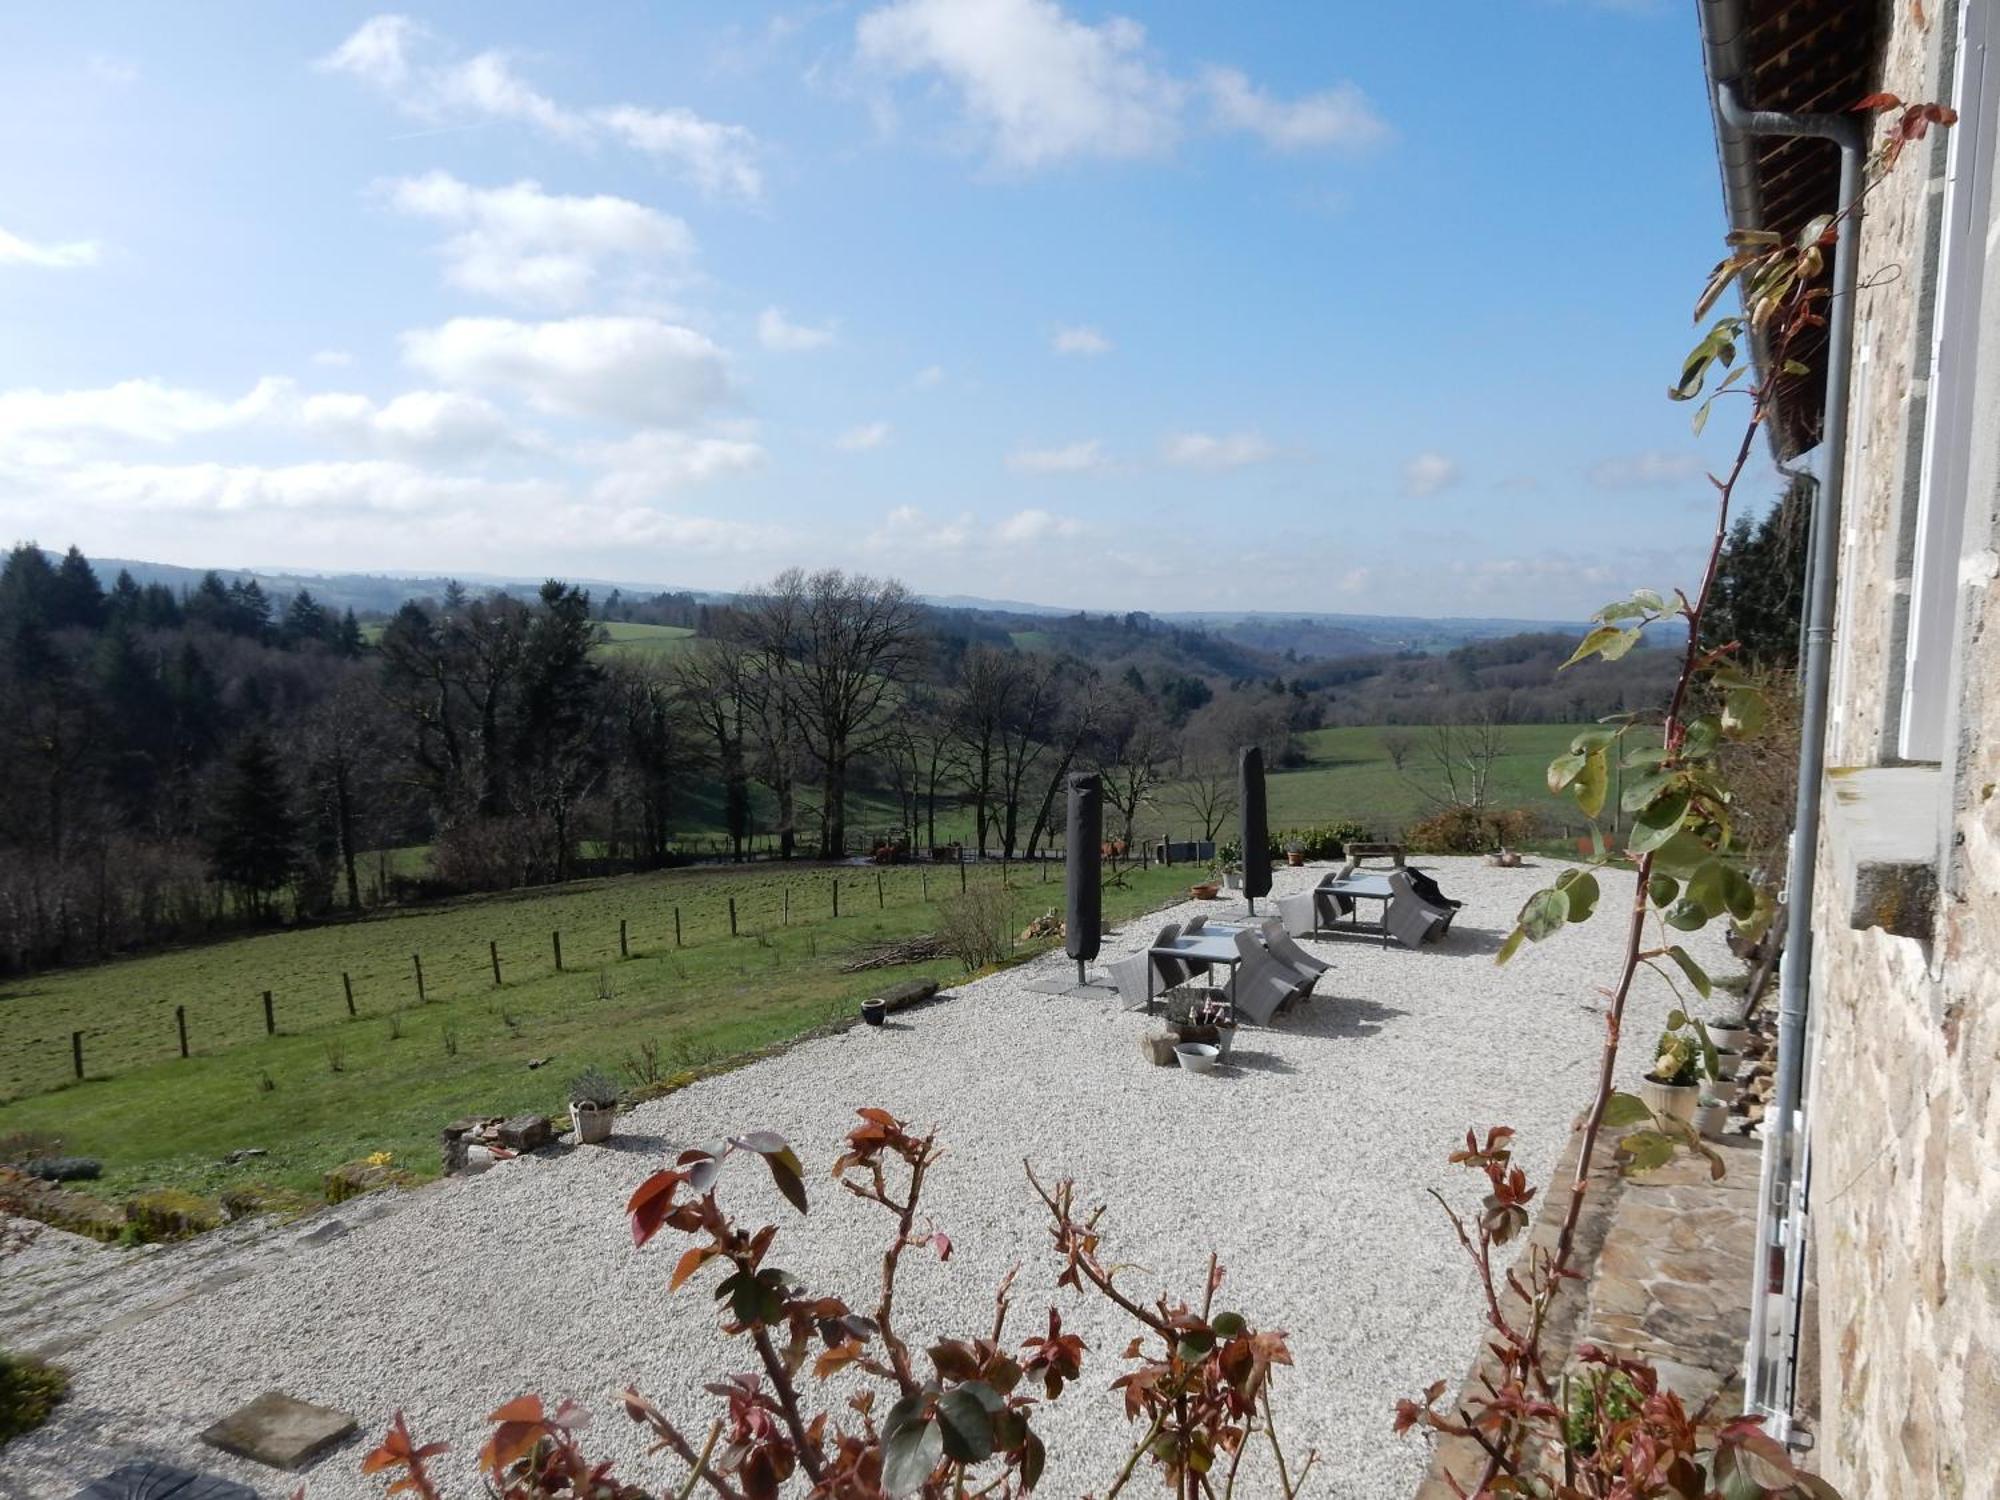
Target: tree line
x,y
182,762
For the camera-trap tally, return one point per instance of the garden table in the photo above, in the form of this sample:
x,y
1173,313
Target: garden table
x,y
1358,888
1218,949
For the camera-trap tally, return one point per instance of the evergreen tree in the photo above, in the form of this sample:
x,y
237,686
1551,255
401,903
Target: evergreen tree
x,y
305,620
249,610
159,609
27,590
348,642
1760,582
253,840
127,601
77,598
209,603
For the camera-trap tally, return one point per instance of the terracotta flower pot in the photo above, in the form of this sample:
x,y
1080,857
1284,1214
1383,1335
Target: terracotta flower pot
x,y
1295,858
1205,890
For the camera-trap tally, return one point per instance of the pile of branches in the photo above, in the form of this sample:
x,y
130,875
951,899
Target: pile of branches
x,y
916,950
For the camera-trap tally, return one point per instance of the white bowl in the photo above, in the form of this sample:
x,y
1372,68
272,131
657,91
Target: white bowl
x,y
1197,1057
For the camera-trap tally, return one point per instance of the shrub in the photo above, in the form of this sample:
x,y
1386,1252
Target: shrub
x,y
1318,841
1470,830
1599,1399
973,926
594,1089
169,1214
29,1391
18,1146
64,1168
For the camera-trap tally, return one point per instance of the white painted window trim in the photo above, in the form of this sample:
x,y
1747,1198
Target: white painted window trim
x,y
1949,413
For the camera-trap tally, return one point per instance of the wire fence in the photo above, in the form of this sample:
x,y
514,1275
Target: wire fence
x,y
475,949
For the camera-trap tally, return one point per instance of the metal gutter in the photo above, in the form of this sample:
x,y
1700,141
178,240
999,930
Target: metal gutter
x,y
1768,1382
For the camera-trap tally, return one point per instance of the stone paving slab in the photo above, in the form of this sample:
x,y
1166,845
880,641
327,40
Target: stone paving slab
x,y
280,1430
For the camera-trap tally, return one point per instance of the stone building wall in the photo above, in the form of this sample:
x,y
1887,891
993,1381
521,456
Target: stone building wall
x,y
1905,1082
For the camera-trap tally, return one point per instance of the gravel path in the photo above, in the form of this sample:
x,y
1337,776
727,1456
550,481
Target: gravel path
x,y
1305,1168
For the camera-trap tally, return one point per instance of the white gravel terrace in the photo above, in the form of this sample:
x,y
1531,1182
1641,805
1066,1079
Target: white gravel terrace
x,y
1305,1167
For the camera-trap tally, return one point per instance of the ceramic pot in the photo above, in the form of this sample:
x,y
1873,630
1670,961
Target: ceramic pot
x,y
1670,1100
1711,1119
872,1011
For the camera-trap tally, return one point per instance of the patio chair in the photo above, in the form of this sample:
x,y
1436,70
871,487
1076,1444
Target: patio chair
x,y
1263,986
1131,973
1279,941
1195,924
1343,906
1299,914
1411,920
1428,892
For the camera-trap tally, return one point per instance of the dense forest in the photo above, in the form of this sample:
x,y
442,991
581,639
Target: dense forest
x,y
183,760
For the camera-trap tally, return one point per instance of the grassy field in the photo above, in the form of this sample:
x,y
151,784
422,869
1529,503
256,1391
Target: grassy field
x,y
327,1088
1349,775
626,639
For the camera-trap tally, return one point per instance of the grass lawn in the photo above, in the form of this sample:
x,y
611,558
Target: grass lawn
x,y
1349,775
327,1089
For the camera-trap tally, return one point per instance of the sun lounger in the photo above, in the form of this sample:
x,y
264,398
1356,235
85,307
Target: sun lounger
x,y
1279,941
1411,920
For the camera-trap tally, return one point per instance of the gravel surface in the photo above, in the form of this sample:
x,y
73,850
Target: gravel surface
x,y
1305,1167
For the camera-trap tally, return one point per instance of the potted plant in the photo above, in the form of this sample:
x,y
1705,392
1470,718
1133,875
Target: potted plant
x,y
1729,1033
1295,853
1711,1116
873,1011
1199,1015
1206,889
593,1105
1672,1087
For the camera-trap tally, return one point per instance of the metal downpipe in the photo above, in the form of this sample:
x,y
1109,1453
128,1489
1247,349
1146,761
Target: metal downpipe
x,y
1764,1383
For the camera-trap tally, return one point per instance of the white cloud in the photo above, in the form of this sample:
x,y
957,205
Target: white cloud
x,y
861,439
416,424
51,427
378,53
1651,469
44,426
52,256
1428,473
1202,450
336,359
1026,527
1080,339
624,369
647,464
775,332
368,487
906,528
1070,458
719,158
1340,116
1039,85
382,53
928,377
521,244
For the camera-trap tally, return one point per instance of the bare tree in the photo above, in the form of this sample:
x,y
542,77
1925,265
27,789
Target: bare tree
x,y
1134,754
714,687
1398,745
849,641
1461,760
1206,788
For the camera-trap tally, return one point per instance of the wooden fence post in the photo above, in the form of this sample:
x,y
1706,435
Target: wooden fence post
x,y
347,988
76,1053
417,962
836,895
493,955
961,872
732,916
788,906
555,942
624,950
270,1017
181,1025
924,884
677,927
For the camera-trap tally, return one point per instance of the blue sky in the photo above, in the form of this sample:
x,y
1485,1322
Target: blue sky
x,y
1314,306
